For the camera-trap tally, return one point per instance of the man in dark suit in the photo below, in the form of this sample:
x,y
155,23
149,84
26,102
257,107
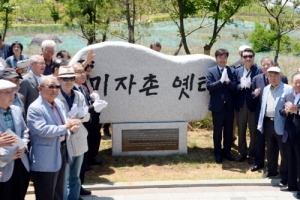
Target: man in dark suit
x,y
291,136
30,82
245,105
221,81
258,84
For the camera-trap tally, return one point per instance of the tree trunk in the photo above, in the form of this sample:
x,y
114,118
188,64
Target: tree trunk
x,y
182,31
5,25
179,47
207,49
130,24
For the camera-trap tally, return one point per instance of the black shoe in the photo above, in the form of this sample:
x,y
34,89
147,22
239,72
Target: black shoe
x,y
240,158
85,192
96,162
287,188
283,183
218,159
228,156
298,195
107,133
251,160
80,198
87,168
255,168
268,175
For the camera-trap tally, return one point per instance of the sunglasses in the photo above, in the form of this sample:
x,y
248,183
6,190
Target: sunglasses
x,y
89,66
68,79
248,56
52,87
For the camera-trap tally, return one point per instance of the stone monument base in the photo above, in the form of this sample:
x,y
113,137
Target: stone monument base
x,y
149,139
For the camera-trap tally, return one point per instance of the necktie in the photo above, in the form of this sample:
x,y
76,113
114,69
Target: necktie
x,y
222,71
84,94
267,81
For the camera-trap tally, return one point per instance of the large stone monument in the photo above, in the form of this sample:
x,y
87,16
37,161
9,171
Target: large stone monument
x,y
150,96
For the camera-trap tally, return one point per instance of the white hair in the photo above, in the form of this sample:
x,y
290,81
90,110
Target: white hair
x,y
48,43
44,78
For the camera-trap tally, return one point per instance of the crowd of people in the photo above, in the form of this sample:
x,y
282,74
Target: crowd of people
x,y
44,96
245,96
50,100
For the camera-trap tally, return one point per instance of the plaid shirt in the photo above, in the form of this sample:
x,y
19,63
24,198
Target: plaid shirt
x,y
7,117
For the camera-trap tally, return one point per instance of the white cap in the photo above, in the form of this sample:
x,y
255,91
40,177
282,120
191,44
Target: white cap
x,y
274,69
4,84
243,47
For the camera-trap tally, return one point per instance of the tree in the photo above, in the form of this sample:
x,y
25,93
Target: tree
x,y
180,10
6,8
90,17
283,19
221,12
54,11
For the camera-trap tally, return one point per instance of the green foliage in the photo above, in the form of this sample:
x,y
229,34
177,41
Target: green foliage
x,y
205,123
54,11
262,38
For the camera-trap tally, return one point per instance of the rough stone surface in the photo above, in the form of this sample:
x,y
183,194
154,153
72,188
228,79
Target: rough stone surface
x,y
39,38
117,138
175,96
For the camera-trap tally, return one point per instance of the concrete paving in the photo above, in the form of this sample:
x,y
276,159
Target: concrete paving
x,y
241,189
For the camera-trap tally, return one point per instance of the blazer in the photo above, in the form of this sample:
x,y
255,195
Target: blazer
x,y
29,89
259,81
292,122
78,140
279,121
243,94
220,92
6,154
45,133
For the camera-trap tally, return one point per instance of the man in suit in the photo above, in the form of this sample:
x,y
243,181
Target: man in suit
x,y
30,82
14,162
258,84
245,105
11,75
271,123
291,136
220,82
49,135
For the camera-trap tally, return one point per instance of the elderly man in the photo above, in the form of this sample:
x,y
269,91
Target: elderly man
x,y
11,75
93,127
258,84
220,82
49,135
75,106
245,105
271,123
156,46
291,136
14,161
48,50
30,82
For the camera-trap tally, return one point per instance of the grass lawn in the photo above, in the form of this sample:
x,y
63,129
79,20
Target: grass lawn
x,y
196,165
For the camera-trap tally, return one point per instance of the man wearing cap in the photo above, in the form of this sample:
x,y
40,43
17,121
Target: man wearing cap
x,y
245,105
30,82
271,123
11,75
49,135
75,106
258,84
239,62
14,162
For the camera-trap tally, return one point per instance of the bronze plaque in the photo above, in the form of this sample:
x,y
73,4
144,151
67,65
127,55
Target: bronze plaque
x,y
150,139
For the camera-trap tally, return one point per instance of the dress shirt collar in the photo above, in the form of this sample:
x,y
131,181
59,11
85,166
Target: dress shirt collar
x,y
77,86
276,87
2,111
297,97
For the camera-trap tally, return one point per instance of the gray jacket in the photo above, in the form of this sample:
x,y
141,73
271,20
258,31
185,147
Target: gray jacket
x,y
78,140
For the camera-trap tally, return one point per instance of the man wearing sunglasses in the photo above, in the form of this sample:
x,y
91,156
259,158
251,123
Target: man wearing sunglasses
x,y
50,132
75,106
245,105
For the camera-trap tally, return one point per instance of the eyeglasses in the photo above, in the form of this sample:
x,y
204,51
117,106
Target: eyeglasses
x,y
68,79
90,66
51,87
8,93
248,56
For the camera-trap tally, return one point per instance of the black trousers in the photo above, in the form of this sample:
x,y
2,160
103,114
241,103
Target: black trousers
x,y
293,154
16,187
94,138
105,126
274,146
223,119
51,185
260,149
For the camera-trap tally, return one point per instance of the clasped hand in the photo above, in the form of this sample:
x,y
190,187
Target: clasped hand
x,y
72,124
290,107
224,76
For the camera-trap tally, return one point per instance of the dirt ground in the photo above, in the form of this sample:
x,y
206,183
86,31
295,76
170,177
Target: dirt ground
x,y
196,165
